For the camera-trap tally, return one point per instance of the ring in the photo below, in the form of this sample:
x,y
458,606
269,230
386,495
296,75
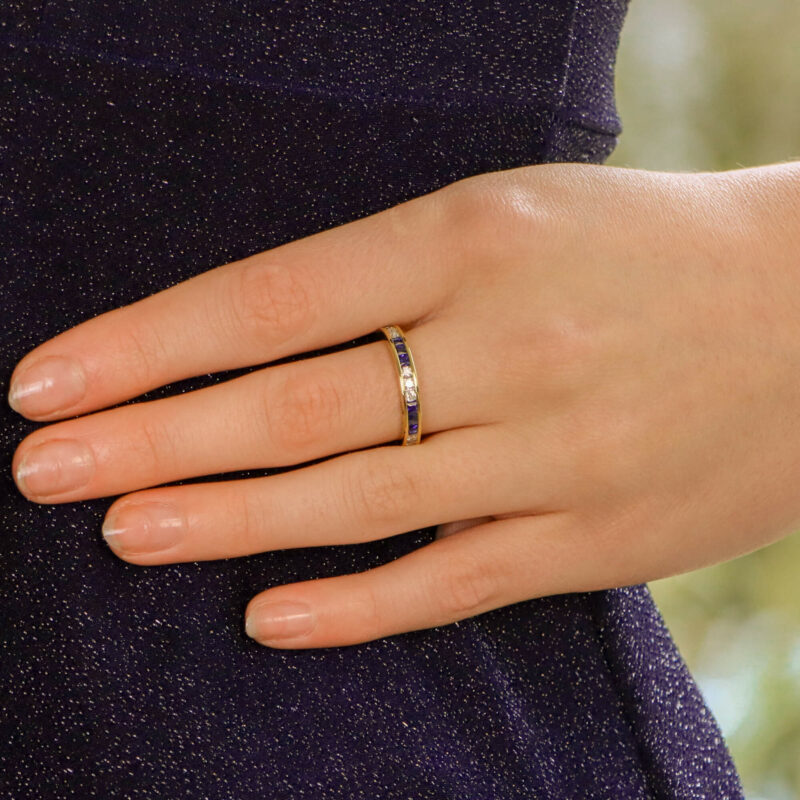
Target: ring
x,y
409,385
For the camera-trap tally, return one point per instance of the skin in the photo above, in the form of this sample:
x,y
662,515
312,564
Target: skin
x,y
609,367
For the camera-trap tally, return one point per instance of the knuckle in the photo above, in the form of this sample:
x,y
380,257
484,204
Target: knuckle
x,y
469,198
371,613
464,589
469,213
564,349
147,350
495,215
156,447
381,497
561,351
249,511
564,341
305,408
272,302
610,451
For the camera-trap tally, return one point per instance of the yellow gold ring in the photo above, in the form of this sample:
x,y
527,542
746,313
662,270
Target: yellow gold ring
x,y
409,385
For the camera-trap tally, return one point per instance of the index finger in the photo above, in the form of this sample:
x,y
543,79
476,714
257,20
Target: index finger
x,y
314,292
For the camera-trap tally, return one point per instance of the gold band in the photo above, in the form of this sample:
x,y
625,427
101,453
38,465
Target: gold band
x,y
409,385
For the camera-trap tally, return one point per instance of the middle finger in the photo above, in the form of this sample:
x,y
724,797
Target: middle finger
x,y
281,415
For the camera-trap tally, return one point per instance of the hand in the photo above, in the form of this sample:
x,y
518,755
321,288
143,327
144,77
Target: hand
x,y
608,385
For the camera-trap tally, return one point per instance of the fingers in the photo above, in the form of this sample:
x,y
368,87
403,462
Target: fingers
x,y
355,497
287,414
318,291
473,571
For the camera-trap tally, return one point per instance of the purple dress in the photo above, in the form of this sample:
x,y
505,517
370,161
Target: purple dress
x,y
143,142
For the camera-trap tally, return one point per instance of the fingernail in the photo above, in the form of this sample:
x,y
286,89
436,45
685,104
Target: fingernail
x,y
47,386
279,621
60,465
143,528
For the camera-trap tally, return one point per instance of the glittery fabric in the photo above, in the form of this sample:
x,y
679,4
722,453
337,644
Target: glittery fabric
x,y
144,142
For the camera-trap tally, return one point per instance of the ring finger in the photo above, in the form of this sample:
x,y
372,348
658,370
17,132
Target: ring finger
x,y
281,415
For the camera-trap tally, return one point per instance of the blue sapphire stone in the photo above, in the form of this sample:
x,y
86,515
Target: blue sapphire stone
x,y
413,428
403,356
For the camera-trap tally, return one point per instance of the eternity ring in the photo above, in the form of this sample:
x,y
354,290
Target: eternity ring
x,y
409,385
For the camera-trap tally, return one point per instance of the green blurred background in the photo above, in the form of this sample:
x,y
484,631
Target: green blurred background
x,y
714,85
